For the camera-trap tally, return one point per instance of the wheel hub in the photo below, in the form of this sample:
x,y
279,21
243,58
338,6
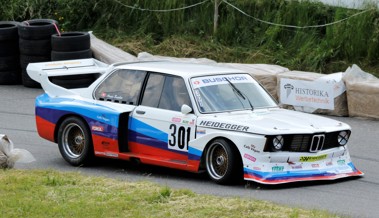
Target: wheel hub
x,y
78,140
220,160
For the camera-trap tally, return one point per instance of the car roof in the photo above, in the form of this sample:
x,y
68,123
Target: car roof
x,y
185,70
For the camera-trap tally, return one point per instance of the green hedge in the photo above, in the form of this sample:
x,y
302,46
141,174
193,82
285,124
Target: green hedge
x,y
355,40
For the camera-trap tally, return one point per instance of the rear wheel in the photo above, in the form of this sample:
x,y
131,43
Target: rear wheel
x,y
74,141
223,162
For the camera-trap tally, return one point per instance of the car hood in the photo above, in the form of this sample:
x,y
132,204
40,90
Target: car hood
x,y
272,122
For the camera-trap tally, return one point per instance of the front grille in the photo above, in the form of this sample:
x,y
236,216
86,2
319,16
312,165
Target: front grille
x,y
299,143
306,142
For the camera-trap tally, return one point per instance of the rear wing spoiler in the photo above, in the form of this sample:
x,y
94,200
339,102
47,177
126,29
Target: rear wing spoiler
x,y
40,72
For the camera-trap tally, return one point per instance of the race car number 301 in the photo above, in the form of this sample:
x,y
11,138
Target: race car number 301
x,y
179,138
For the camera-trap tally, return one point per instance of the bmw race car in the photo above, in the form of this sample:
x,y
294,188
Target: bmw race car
x,y
186,116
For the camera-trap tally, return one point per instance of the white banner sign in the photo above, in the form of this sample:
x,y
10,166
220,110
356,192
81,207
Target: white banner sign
x,y
314,94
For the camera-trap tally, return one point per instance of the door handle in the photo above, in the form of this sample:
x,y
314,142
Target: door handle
x,y
140,112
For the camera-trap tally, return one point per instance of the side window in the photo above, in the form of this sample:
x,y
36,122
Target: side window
x,y
122,86
153,90
174,94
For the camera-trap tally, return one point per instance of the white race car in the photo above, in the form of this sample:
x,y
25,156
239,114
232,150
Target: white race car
x,y
186,116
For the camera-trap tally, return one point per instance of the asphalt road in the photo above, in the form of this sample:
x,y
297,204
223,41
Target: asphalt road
x,y
357,197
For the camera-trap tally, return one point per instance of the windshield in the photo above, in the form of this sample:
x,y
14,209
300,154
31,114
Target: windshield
x,y
229,93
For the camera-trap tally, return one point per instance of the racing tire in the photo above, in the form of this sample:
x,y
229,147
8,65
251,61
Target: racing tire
x,y
40,47
37,29
60,56
9,48
26,59
223,162
9,63
70,41
27,81
8,30
75,142
11,77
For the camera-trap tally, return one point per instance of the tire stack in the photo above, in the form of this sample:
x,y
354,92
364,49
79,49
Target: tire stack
x,y
10,72
35,45
69,46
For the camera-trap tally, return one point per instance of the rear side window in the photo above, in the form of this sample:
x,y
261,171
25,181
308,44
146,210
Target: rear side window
x,y
153,90
122,86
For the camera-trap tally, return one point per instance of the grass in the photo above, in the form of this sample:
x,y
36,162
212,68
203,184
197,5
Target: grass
x,y
195,47
47,193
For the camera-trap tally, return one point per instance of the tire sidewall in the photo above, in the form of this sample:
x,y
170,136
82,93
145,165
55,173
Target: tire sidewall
x,y
10,32
234,164
70,41
28,29
87,153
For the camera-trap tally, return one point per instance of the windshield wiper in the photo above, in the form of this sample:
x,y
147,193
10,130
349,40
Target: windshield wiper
x,y
242,95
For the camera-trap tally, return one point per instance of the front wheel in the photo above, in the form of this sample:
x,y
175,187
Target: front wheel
x,y
222,162
74,141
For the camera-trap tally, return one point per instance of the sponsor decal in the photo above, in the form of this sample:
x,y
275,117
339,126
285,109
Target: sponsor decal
x,y
63,63
251,147
103,118
199,99
297,167
257,168
312,158
97,128
278,169
108,154
201,132
315,94
224,78
105,143
180,120
227,126
315,165
220,79
249,157
176,120
330,163
341,162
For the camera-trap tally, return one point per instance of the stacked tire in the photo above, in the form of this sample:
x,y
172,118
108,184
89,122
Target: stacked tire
x,y
10,72
35,45
70,46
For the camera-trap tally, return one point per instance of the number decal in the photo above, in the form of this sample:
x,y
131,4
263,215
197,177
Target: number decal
x,y
173,141
179,137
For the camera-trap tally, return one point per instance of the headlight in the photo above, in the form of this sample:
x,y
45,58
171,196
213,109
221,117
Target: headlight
x,y
277,143
343,137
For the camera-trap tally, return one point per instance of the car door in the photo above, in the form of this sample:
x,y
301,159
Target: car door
x,y
157,126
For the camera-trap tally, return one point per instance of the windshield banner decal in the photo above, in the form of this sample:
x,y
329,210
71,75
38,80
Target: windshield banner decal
x,y
220,79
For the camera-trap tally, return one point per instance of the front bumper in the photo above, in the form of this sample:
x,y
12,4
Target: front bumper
x,y
325,166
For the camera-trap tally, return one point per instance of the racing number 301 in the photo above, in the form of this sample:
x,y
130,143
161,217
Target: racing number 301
x,y
179,136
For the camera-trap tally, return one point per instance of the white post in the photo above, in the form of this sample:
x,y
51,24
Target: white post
x,y
215,17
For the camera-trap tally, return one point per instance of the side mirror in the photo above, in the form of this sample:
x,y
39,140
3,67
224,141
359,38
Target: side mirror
x,y
185,109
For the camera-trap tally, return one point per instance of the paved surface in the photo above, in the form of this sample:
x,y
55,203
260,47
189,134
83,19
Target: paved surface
x,y
353,197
